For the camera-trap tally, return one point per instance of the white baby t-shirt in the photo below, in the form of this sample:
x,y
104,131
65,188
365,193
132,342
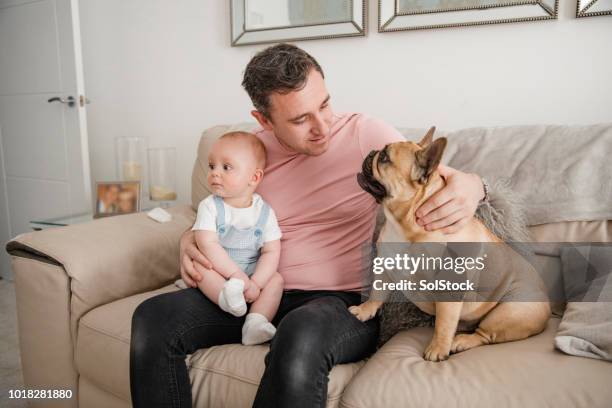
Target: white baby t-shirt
x,y
240,218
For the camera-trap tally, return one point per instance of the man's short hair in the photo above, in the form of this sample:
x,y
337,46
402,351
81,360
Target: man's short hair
x,y
259,149
281,68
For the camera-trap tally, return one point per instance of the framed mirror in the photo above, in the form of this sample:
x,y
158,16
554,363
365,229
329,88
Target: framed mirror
x,y
265,21
589,8
398,15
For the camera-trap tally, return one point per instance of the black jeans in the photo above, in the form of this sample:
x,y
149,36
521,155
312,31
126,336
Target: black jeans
x,y
315,331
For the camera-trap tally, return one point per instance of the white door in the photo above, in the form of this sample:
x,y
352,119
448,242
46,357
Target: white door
x,y
44,159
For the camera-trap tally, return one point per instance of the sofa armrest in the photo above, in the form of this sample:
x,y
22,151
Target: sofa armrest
x,y
63,273
45,340
110,258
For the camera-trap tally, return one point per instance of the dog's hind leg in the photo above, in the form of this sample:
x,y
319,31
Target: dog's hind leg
x,y
508,321
465,341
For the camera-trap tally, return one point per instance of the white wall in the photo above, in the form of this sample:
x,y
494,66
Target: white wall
x,y
165,70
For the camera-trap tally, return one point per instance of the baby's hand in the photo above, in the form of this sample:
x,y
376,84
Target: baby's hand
x,y
251,293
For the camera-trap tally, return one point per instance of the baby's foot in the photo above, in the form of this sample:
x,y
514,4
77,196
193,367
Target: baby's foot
x,y
257,329
231,298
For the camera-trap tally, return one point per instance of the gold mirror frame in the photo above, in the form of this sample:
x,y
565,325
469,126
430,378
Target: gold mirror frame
x,y
591,8
390,18
240,35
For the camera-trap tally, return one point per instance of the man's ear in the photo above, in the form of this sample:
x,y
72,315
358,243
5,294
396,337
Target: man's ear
x,y
427,160
263,121
428,137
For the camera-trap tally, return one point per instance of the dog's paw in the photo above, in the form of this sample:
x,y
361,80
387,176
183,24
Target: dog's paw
x,y
362,313
463,342
436,352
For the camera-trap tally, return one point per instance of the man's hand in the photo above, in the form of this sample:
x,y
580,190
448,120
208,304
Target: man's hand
x,y
450,208
193,262
252,292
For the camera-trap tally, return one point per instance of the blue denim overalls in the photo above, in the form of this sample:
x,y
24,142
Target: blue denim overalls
x,y
242,245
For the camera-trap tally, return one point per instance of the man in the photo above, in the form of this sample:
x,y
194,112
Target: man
x,y
310,181
107,203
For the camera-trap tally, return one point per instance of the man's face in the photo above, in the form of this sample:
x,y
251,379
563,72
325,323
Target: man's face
x,y
111,194
301,120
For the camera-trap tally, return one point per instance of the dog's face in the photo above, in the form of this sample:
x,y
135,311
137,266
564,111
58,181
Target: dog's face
x,y
402,168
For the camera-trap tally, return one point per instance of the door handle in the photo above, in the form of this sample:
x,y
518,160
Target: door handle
x,y
70,101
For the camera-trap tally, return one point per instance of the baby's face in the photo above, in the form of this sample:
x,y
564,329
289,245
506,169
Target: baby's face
x,y
231,168
126,201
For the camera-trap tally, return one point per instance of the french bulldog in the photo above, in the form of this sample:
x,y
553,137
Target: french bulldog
x,y
401,177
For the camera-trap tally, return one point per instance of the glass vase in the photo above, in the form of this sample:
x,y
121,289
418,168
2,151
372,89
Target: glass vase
x,y
162,175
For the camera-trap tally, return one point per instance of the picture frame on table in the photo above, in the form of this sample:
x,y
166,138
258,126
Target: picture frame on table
x,y
116,198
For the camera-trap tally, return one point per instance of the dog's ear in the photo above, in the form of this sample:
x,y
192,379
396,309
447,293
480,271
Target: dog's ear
x,y
427,160
428,137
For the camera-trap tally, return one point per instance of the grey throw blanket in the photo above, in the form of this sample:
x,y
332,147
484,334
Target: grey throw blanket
x,y
563,172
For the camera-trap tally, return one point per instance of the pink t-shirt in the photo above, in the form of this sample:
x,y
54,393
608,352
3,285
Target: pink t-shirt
x,y
324,215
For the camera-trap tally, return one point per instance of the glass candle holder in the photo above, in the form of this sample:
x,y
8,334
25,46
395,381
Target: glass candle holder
x,y
162,175
130,158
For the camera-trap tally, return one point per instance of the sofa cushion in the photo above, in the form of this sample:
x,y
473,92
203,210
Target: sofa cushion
x,y
103,343
526,373
586,327
547,259
228,376
222,376
573,231
91,396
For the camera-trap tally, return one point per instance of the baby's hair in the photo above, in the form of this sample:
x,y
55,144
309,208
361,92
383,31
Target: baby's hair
x,y
257,145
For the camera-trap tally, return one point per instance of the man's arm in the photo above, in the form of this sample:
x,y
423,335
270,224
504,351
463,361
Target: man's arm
x,y
450,208
192,261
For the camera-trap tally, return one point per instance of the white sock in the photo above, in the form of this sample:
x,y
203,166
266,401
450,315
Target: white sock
x,y
257,329
231,298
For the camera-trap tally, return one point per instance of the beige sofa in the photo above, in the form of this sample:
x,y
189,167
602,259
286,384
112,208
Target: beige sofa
x,y
78,286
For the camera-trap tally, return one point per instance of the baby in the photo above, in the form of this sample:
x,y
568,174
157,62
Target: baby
x,y
238,232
